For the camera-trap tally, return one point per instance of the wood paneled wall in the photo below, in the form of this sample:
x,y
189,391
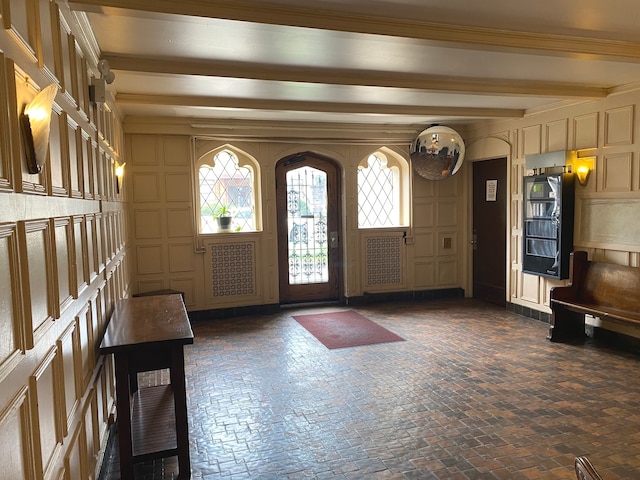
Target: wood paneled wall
x,y
62,253
167,252
606,213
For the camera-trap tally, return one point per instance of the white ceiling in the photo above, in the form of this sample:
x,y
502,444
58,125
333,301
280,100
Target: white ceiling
x,y
383,63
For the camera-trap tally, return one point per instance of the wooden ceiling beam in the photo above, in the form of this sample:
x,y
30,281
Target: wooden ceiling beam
x,y
322,107
450,34
287,73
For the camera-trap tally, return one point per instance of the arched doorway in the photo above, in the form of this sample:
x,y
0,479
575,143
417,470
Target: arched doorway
x,y
309,236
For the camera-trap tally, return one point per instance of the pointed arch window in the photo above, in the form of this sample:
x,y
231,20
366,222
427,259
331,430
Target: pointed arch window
x,y
381,191
227,188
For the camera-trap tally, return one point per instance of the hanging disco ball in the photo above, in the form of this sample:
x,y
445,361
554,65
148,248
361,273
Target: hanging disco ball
x,y
437,153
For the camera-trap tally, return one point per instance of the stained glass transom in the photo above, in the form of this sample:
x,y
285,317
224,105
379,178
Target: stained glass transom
x,y
307,226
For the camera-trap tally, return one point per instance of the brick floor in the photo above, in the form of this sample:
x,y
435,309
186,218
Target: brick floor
x,y
475,392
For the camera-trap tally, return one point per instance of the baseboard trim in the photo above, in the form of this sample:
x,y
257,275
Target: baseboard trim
x,y
439,294
529,312
366,299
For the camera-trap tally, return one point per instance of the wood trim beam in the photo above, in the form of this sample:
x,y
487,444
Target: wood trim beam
x,y
288,73
325,107
456,35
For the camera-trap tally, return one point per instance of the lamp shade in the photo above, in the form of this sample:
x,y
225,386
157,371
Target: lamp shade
x,y
37,120
437,153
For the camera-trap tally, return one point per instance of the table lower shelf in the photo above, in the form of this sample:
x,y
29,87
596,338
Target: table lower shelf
x,y
153,423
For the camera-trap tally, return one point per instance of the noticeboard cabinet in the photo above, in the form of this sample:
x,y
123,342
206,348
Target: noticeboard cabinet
x,y
547,231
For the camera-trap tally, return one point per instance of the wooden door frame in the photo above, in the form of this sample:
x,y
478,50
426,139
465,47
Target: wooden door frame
x,y
303,158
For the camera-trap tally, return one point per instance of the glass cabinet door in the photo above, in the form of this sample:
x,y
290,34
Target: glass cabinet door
x,y
545,208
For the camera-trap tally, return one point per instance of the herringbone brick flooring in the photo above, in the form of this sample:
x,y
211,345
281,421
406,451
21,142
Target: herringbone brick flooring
x,y
475,392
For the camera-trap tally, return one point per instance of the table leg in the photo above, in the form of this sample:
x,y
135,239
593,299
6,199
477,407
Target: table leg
x,y
178,383
123,407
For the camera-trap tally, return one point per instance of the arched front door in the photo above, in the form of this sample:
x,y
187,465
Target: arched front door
x,y
309,237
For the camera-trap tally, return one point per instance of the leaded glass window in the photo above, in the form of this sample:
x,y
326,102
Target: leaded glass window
x,y
226,186
378,193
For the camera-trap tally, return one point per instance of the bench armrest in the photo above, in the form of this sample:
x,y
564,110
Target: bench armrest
x,y
578,264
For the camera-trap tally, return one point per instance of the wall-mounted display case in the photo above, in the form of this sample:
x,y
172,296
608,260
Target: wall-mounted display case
x,y
547,230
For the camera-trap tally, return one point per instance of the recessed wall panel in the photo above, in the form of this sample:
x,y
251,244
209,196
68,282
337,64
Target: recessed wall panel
x,y
530,288
147,223
616,172
557,135
146,187
423,214
150,259
11,319
64,262
16,19
144,150
45,409
15,438
178,187
176,150
181,257
424,244
532,139
585,131
447,213
179,222
67,349
618,126
447,272
37,277
424,275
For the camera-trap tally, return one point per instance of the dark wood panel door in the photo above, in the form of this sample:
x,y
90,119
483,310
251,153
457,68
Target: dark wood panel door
x,y
490,230
309,237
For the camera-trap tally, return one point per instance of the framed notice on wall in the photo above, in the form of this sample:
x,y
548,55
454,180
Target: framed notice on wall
x,y
491,190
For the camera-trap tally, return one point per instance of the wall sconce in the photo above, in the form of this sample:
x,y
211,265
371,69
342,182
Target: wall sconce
x,y
35,124
119,174
583,167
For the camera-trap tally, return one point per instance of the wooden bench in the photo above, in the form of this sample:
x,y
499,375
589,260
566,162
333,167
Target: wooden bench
x,y
605,290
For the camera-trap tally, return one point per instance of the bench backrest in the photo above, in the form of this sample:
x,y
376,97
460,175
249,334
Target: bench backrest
x,y
611,285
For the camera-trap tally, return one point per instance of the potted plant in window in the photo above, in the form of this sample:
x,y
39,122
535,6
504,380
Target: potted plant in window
x,y
223,216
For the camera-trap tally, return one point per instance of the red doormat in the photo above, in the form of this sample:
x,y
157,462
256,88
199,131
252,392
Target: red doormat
x,y
345,329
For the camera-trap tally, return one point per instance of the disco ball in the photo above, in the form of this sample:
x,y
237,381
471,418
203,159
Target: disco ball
x,y
437,153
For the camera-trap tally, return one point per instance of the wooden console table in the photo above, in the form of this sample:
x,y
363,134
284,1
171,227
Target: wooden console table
x,y
144,334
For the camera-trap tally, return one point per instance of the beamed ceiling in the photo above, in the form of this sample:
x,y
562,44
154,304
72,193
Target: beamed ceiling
x,y
353,65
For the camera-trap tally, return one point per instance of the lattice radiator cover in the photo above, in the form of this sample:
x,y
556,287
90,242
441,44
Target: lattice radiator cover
x,y
383,261
233,269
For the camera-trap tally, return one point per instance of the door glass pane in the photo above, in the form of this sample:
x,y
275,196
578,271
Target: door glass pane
x,y
307,224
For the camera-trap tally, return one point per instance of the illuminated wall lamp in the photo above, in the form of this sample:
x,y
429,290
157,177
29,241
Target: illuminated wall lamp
x,y
119,175
583,169
35,124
